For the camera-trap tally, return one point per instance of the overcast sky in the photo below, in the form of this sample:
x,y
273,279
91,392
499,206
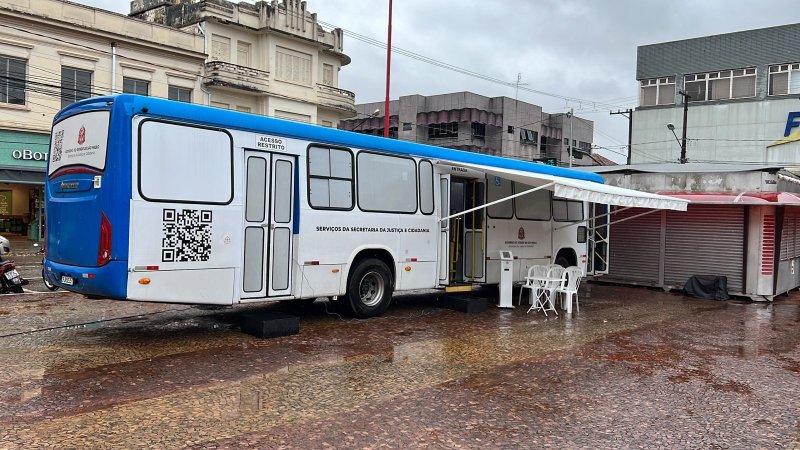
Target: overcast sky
x,y
582,49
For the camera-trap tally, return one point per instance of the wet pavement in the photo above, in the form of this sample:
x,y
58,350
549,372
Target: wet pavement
x,y
634,368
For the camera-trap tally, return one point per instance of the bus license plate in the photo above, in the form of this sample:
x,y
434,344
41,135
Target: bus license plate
x,y
67,280
11,274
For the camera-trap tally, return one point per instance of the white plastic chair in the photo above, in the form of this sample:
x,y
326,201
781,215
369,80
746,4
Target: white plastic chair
x,y
569,287
555,278
535,286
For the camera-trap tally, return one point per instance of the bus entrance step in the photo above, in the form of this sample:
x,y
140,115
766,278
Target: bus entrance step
x,y
459,288
466,304
269,324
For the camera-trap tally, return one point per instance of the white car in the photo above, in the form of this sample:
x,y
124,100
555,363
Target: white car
x,y
5,246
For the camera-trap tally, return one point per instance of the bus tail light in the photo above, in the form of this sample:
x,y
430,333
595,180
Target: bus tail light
x,y
104,249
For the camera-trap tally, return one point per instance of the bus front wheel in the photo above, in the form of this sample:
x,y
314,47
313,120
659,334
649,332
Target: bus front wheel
x,y
562,261
369,290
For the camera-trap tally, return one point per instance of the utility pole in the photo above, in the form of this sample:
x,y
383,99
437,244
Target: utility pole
x,y
569,146
629,116
388,72
685,114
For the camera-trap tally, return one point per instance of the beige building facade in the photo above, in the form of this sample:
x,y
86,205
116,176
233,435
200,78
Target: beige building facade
x,y
269,58
53,53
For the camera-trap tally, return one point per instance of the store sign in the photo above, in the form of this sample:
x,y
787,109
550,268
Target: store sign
x,y
29,155
792,131
793,121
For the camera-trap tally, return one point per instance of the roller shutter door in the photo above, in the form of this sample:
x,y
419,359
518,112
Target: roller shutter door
x,y
705,240
635,247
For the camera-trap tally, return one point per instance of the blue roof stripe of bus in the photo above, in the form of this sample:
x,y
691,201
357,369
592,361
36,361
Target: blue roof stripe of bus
x,y
223,118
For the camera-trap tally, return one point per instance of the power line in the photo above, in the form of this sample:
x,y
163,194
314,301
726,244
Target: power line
x,y
461,70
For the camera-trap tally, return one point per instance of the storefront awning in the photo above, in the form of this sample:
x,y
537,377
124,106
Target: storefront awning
x,y
17,176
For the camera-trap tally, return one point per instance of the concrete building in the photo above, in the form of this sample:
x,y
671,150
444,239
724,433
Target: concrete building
x,y
269,58
743,104
53,53
493,125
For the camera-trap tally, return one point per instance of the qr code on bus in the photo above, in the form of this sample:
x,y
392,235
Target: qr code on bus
x,y
187,235
58,145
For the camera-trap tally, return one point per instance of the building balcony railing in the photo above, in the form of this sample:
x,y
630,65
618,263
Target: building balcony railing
x,y
221,73
336,98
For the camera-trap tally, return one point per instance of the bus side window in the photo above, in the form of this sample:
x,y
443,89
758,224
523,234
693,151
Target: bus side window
x,y
330,178
567,210
426,187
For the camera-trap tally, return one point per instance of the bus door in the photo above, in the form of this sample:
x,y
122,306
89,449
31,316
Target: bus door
x,y
269,220
444,259
467,238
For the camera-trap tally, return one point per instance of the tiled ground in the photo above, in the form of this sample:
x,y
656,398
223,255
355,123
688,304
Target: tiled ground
x,y
635,368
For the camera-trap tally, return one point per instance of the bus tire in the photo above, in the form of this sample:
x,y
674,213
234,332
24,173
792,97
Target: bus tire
x,y
562,261
369,289
50,286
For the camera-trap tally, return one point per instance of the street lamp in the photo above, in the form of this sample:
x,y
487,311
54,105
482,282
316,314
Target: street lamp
x,y
671,127
374,113
681,144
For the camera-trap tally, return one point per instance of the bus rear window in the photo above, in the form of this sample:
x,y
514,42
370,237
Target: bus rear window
x,y
80,140
185,164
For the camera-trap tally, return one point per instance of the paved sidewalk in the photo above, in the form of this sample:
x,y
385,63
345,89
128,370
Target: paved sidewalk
x,y
635,368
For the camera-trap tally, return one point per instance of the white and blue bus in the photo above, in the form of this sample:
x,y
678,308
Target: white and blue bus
x,y
154,200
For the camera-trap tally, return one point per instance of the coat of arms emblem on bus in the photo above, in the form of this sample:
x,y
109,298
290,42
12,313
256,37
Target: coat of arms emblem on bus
x,y
58,145
82,135
521,233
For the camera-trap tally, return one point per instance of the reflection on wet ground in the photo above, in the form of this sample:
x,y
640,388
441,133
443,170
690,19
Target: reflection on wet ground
x,y
634,368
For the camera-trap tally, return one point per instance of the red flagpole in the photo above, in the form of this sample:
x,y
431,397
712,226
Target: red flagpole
x,y
388,72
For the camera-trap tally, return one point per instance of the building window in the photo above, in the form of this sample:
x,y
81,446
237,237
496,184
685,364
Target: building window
x,y
220,48
180,94
245,109
220,105
528,137
657,91
288,115
327,75
293,66
726,84
443,130
76,84
478,130
243,54
134,86
784,79
12,80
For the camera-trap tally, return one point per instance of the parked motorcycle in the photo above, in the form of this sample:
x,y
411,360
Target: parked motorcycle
x,y
10,279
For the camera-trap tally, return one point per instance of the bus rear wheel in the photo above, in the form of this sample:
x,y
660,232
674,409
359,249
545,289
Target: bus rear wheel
x,y
369,289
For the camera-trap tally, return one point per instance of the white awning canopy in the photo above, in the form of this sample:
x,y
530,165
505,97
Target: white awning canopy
x,y
587,191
